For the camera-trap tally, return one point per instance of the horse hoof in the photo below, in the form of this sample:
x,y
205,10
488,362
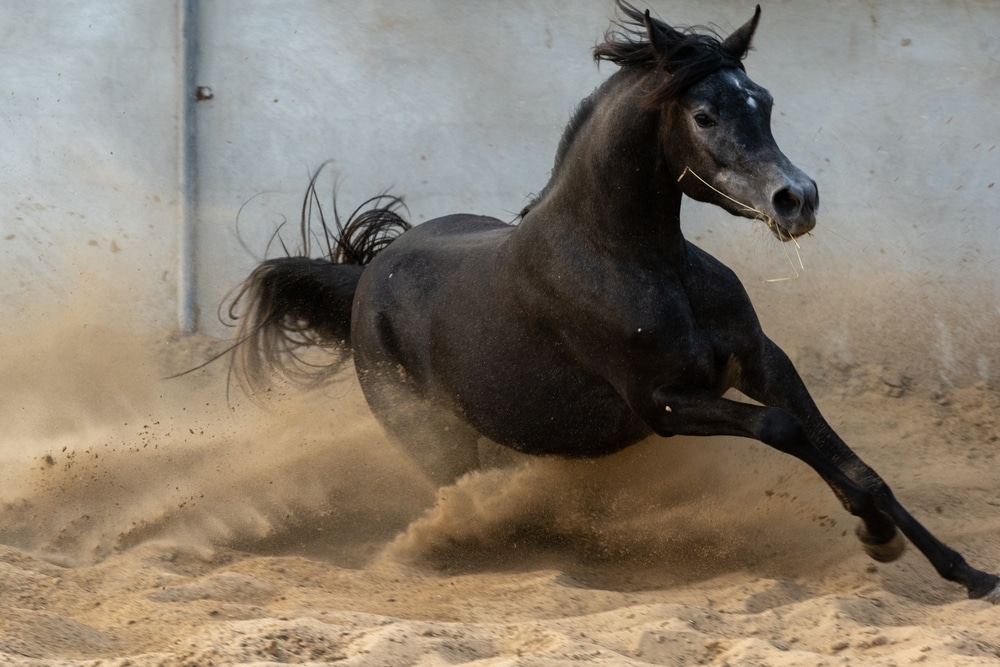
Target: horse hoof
x,y
993,597
883,552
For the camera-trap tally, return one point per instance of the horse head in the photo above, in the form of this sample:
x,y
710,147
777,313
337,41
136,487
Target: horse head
x,y
715,126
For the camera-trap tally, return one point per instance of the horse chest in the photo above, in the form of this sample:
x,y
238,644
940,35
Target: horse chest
x,y
675,343
675,348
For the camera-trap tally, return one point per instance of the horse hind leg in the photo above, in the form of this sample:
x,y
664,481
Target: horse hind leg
x,y
494,455
441,445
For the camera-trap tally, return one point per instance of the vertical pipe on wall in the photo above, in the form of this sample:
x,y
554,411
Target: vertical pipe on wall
x,y
187,314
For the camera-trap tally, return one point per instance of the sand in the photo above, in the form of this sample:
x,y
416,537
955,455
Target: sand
x,y
150,522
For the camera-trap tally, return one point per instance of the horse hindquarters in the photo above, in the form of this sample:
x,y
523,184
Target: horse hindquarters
x,y
288,303
399,309
441,444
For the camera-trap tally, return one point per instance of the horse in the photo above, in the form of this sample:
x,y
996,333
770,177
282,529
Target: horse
x,y
590,322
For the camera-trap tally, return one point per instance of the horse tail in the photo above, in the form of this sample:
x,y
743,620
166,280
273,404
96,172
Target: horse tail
x,y
293,313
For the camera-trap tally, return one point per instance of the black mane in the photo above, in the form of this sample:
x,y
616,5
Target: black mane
x,y
684,55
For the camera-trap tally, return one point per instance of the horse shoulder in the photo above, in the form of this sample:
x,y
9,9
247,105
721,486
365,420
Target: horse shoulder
x,y
642,326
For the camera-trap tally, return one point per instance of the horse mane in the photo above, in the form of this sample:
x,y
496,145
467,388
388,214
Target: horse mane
x,y
685,55
584,110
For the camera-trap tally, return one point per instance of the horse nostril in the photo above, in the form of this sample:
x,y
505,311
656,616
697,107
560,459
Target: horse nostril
x,y
786,203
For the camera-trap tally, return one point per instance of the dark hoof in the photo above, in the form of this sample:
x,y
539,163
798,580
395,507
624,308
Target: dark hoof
x,y
988,590
883,552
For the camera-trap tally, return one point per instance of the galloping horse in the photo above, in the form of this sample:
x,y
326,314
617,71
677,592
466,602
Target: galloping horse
x,y
592,323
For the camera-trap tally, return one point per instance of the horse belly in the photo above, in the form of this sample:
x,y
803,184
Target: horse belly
x,y
543,409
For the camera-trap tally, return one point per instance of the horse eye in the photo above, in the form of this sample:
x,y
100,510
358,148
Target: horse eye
x,y
704,120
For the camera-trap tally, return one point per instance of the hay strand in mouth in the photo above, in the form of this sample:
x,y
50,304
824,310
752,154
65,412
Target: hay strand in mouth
x,y
795,272
766,219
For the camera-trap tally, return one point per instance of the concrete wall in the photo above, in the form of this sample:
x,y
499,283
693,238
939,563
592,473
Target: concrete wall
x,y
88,164
890,106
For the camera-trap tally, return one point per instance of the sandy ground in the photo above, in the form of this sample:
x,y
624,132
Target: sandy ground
x,y
148,522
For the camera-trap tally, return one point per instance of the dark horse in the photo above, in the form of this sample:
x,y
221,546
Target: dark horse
x,y
592,323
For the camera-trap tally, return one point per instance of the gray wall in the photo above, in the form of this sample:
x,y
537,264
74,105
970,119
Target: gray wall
x,y
88,173
890,106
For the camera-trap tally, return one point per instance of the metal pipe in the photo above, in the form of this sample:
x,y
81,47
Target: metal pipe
x,y
187,311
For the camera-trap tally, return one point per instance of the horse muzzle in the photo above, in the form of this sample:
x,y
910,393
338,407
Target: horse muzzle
x,y
794,206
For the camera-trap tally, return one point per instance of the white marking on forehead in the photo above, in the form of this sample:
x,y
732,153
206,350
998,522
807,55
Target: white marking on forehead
x,y
751,102
735,79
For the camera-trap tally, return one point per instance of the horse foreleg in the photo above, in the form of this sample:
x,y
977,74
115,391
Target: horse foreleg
x,y
688,413
777,384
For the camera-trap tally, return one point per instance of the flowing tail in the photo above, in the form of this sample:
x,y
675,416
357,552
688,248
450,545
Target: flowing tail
x,y
293,313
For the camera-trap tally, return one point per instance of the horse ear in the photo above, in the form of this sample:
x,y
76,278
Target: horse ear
x,y
656,36
738,43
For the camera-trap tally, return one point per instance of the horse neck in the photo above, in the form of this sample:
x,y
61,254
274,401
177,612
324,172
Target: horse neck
x,y
611,185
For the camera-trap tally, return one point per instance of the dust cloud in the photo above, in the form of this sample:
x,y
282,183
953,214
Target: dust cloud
x,y
147,521
99,452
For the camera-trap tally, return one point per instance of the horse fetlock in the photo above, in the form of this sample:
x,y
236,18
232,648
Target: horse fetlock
x,y
881,549
992,595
